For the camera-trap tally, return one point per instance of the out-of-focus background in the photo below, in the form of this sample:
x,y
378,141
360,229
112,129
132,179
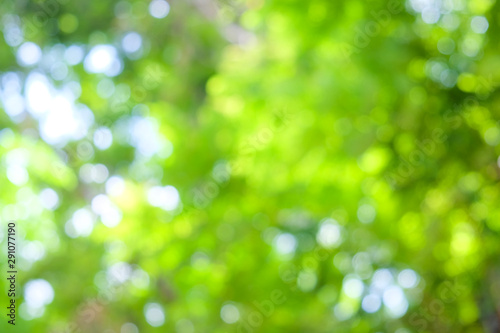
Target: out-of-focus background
x,y
251,166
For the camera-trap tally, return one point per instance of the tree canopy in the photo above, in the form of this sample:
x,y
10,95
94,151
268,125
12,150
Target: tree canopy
x,y
252,166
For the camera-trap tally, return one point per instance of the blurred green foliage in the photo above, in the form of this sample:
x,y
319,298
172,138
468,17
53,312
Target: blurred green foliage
x,y
252,166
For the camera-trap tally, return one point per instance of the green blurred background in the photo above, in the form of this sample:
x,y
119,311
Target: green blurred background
x,y
251,166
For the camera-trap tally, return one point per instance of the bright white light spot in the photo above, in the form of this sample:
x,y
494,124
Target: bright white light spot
x,y
103,138
94,173
382,278
119,273
419,5
19,156
64,122
115,186
11,83
13,104
38,293
371,303
100,58
30,313
74,55
154,314
353,287
100,173
166,197
49,198
110,215
69,229
131,42
328,234
144,136
407,278
229,313
159,8
103,59
38,94
60,122
17,175
479,24
100,204
393,296
285,243
85,173
81,224
431,15
111,218
28,54
366,213
394,299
